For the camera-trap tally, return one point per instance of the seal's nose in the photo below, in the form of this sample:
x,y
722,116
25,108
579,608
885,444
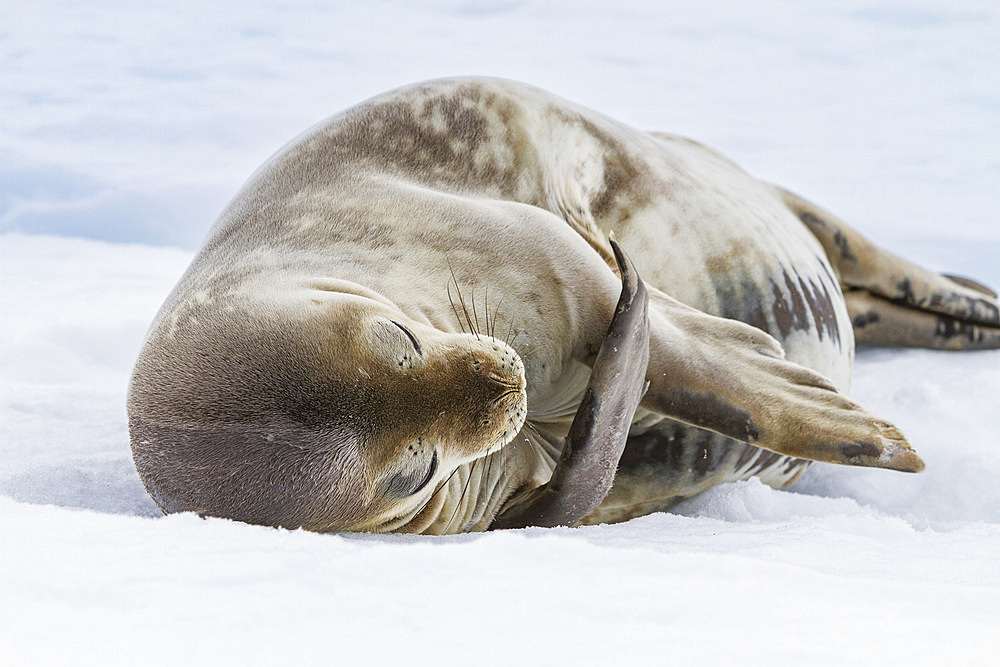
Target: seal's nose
x,y
508,369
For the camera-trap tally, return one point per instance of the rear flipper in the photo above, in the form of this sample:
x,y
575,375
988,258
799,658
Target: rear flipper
x,y
880,322
971,284
894,302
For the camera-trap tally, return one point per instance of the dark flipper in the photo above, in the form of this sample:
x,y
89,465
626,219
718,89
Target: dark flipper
x,y
882,323
583,475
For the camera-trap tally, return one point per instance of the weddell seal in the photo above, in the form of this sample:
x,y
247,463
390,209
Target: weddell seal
x,y
417,317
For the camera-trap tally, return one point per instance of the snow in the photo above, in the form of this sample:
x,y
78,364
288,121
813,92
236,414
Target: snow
x,y
124,128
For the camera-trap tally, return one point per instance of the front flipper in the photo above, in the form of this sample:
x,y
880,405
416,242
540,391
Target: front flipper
x,y
731,378
586,468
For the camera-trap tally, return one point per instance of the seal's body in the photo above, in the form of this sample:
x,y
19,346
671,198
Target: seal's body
x,y
394,323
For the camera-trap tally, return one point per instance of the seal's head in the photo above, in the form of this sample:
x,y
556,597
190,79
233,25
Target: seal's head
x,y
335,413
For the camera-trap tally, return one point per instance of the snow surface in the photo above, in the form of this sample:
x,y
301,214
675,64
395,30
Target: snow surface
x,y
124,127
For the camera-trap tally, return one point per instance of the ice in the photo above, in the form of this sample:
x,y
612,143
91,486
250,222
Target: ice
x,y
124,129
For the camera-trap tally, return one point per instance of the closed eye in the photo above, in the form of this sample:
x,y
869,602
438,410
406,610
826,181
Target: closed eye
x,y
405,483
430,473
413,339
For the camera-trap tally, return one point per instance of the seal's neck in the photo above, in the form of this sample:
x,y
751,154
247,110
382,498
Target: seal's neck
x,y
470,498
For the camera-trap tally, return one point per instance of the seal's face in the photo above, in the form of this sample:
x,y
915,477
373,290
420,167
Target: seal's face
x,y
346,416
421,401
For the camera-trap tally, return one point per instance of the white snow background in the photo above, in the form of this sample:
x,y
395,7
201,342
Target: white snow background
x,y
125,128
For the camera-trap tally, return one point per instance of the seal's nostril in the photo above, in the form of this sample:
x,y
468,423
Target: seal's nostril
x,y
509,382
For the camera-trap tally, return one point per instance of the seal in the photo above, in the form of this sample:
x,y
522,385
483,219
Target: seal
x,y
417,317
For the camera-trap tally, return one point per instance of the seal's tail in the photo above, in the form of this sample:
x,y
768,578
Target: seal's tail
x,y
894,302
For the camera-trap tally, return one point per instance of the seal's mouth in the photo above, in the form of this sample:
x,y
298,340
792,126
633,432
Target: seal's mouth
x,y
511,412
510,407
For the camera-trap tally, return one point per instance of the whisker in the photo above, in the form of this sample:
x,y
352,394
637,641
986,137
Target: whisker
x,y
517,334
510,330
458,289
465,309
486,310
444,485
461,300
532,430
503,466
454,308
496,316
472,298
484,481
531,351
465,490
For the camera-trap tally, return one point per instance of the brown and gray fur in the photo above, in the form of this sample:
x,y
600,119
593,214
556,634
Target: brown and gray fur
x,y
327,359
